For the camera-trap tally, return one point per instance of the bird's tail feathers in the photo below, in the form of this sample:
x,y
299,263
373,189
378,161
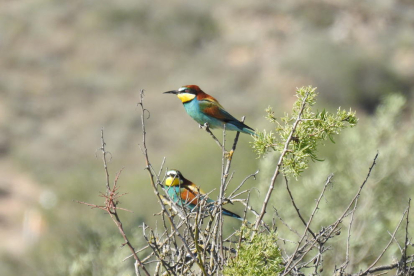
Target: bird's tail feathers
x,y
242,127
231,214
249,131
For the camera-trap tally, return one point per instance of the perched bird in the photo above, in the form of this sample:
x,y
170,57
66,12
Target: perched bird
x,y
203,108
186,194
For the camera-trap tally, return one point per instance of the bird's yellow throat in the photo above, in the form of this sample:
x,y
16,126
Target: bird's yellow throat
x,y
185,97
171,181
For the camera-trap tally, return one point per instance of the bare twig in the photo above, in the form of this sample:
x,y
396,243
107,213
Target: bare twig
x,y
242,183
329,230
308,223
296,207
403,267
348,243
104,153
111,208
385,267
385,249
284,223
206,127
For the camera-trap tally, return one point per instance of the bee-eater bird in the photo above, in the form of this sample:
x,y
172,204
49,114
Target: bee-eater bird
x,y
203,108
186,194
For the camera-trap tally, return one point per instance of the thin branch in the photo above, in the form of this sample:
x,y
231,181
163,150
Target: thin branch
x,y
242,183
206,127
111,208
385,267
284,223
308,223
279,164
333,226
104,153
348,239
404,255
385,249
296,207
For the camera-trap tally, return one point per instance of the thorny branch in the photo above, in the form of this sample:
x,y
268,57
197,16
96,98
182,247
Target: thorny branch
x,y
111,201
104,153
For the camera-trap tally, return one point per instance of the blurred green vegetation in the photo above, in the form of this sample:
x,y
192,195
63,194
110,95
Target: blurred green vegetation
x,y
72,67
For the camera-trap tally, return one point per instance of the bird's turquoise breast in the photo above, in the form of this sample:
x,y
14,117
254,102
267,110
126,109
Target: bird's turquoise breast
x,y
174,194
193,109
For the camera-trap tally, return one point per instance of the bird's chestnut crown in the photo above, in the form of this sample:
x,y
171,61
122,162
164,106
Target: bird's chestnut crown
x,y
186,94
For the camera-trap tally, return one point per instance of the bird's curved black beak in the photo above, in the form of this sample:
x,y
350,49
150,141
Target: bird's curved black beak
x,y
171,92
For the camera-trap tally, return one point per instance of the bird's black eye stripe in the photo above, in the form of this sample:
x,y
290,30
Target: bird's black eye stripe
x,y
187,90
174,175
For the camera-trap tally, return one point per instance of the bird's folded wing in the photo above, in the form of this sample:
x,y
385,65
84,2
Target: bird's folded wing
x,y
193,194
189,196
212,108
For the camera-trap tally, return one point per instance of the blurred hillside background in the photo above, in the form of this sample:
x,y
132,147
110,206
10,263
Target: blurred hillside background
x,y
69,68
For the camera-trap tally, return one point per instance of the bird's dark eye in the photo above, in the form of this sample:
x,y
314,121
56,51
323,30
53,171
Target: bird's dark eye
x,y
182,89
